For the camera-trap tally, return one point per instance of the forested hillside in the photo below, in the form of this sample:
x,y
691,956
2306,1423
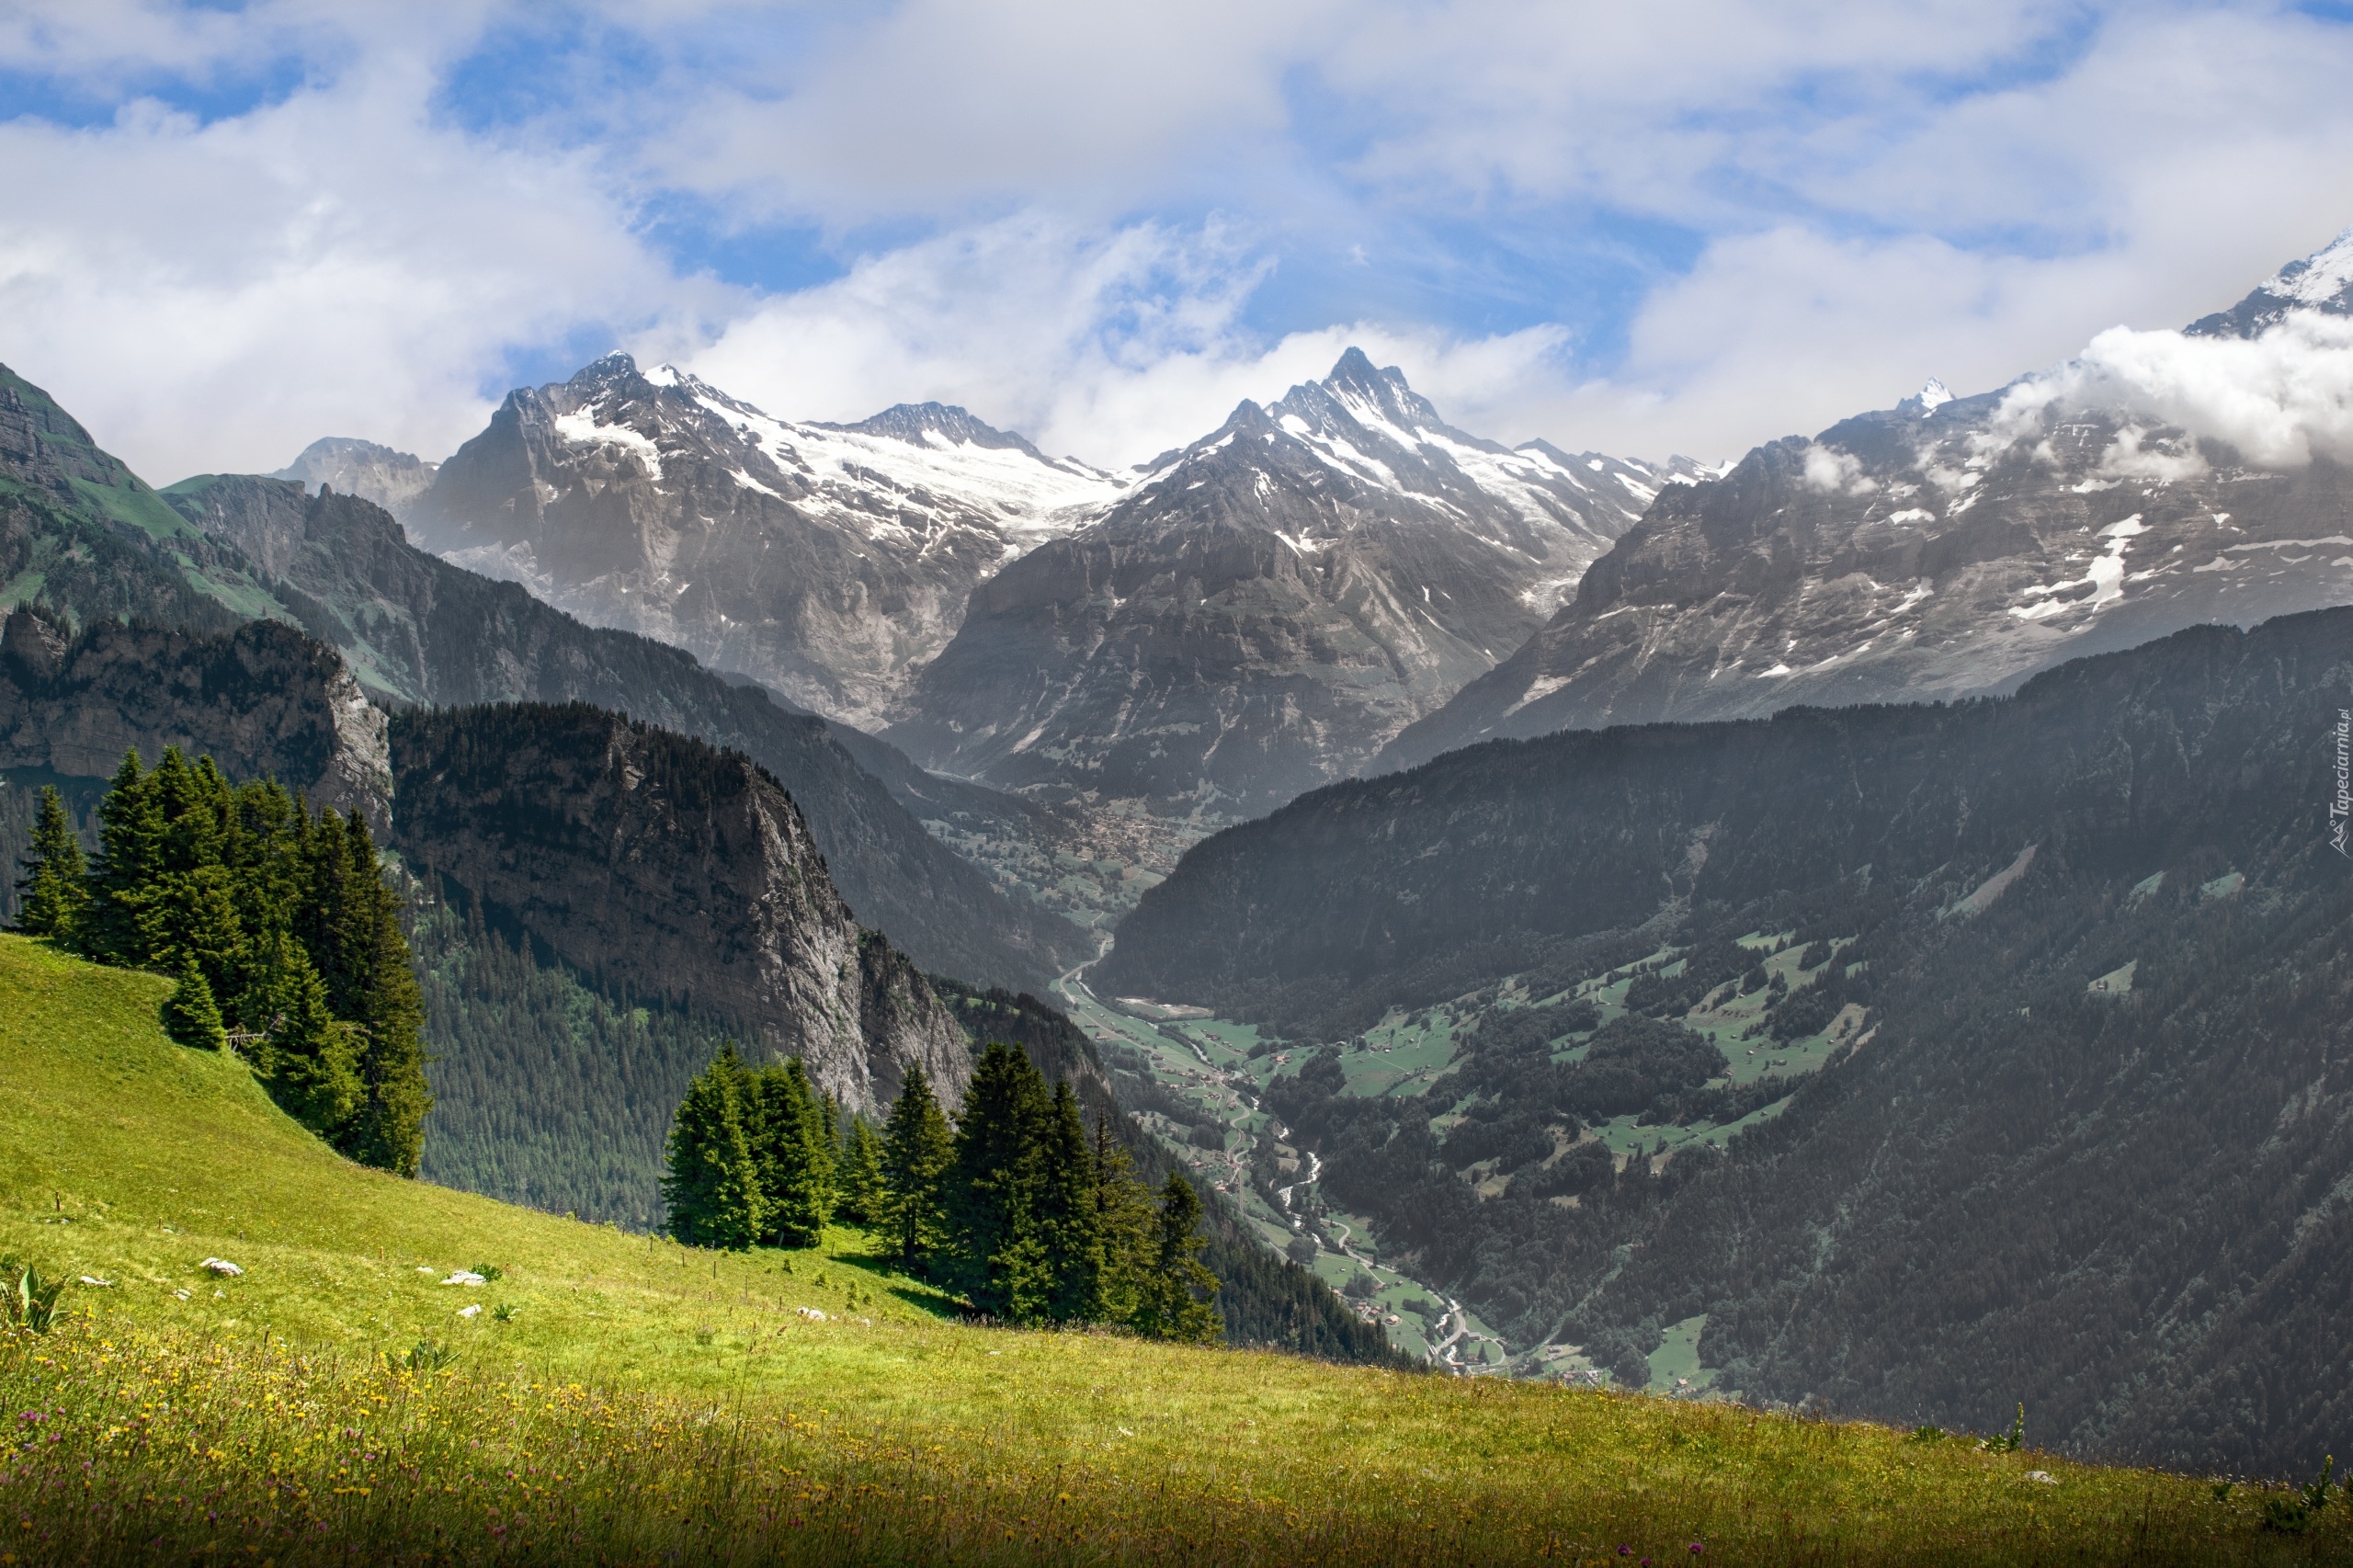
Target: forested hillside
x,y
1942,1057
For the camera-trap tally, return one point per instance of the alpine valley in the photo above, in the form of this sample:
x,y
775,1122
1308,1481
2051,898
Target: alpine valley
x,y
1861,930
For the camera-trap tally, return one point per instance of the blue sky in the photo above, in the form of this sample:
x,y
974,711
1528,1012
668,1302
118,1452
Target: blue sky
x,y
1675,227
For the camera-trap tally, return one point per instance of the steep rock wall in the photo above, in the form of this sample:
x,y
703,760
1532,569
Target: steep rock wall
x,y
264,701
664,867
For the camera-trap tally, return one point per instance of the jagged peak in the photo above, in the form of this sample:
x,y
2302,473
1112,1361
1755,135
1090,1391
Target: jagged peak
x,y
1355,367
916,423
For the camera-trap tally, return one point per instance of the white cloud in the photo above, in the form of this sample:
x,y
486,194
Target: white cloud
x,y
1836,472
213,297
1112,348
1873,193
2280,398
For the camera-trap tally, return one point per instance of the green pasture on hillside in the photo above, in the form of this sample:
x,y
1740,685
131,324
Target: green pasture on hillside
x,y
639,1402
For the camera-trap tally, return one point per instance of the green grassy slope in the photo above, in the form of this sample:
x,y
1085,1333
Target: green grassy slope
x,y
646,1402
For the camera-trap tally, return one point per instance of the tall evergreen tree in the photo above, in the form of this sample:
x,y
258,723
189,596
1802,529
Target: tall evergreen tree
x,y
790,1129
857,1180
1069,1229
388,1132
52,897
917,1148
122,882
992,1185
1177,1288
1128,1223
712,1188
307,1058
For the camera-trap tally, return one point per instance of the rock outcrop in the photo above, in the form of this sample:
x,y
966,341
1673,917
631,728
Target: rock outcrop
x,y
265,701
667,869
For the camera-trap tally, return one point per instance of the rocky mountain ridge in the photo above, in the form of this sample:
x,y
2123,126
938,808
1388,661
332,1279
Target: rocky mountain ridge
x,y
1946,547
392,480
826,561
1270,605
420,630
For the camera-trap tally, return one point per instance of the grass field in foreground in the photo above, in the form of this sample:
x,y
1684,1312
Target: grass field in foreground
x,y
646,1403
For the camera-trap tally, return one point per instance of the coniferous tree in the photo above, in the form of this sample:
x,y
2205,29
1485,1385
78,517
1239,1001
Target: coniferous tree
x,y
190,1014
712,1188
52,897
858,1186
790,1131
307,1058
917,1148
131,835
993,1185
1068,1227
1128,1223
1176,1288
388,1132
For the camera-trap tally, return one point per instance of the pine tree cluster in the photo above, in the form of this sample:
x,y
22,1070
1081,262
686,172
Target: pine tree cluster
x,y
276,924
1016,1207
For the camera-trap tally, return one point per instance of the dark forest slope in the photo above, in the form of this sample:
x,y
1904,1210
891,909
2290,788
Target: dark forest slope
x,y
2080,1140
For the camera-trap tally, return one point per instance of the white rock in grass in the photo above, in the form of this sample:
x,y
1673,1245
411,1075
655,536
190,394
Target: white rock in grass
x,y
470,1312
813,1314
465,1276
2044,1476
220,1266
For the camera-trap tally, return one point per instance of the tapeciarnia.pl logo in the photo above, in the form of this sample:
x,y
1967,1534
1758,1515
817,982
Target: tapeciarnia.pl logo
x,y
2341,809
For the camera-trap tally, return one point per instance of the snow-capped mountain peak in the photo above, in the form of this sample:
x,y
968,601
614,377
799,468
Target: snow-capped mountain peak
x,y
1270,603
827,561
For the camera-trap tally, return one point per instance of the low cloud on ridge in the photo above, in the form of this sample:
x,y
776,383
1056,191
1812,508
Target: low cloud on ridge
x,y
2280,398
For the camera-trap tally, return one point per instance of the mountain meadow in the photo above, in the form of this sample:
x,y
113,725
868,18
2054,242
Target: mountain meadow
x,y
264,1352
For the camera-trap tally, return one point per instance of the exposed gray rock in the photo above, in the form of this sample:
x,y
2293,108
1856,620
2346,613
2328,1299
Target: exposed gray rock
x,y
825,561
265,701
391,479
1271,605
667,869
1933,550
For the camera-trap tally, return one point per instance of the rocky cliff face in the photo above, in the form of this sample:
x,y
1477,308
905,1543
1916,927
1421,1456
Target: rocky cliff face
x,y
1271,604
667,869
1944,548
266,701
827,562
421,630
